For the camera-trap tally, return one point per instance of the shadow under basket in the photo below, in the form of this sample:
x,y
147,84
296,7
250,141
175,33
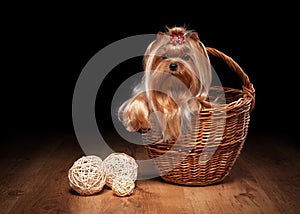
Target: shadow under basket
x,y
206,154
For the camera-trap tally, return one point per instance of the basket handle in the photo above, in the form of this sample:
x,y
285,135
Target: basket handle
x,y
247,85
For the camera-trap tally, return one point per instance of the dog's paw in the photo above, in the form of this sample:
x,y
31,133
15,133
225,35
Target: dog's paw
x,y
136,123
143,130
168,137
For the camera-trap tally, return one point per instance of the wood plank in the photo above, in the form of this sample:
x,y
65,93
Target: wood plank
x,y
47,187
265,179
274,163
19,165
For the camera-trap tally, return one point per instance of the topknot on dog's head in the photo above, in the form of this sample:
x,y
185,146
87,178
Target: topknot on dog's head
x,y
176,30
183,33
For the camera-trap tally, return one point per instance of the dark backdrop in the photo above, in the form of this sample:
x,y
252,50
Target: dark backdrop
x,y
47,47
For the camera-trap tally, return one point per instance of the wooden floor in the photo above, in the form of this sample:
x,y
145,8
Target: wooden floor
x,y
33,179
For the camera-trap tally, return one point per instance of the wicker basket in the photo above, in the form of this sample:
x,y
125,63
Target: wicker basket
x,y
207,153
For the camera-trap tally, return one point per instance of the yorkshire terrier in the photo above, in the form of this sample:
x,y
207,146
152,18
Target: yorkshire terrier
x,y
177,77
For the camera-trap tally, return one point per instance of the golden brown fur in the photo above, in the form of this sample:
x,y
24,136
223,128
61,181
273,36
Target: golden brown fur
x,y
177,73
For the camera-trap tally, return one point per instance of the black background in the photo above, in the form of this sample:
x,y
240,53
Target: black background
x,y
46,47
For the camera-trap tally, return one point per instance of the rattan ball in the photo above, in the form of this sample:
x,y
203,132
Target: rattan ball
x,y
123,187
86,175
119,166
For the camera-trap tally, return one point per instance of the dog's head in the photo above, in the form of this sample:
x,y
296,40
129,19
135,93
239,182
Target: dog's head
x,y
178,55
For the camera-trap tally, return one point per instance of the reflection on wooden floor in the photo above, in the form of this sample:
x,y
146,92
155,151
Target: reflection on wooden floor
x,y
33,179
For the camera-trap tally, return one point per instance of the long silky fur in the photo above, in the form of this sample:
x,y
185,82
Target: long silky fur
x,y
161,92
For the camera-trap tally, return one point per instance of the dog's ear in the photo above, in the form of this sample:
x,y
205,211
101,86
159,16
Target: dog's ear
x,y
194,35
160,35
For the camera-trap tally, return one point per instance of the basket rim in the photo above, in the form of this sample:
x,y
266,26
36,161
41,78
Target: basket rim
x,y
247,87
242,101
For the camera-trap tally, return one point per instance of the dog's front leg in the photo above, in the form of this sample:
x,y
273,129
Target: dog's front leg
x,y
136,114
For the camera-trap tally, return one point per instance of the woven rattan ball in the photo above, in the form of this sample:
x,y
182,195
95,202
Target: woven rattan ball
x,y
123,187
119,166
86,175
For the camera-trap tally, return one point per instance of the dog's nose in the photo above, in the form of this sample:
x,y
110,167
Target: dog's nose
x,y
173,66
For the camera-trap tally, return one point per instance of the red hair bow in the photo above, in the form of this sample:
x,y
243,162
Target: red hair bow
x,y
177,39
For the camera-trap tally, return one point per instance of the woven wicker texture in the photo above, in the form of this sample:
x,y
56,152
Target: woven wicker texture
x,y
119,166
123,187
86,175
207,153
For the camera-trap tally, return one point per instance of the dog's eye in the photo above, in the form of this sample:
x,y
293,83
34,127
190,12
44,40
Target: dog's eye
x,y
164,56
185,57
